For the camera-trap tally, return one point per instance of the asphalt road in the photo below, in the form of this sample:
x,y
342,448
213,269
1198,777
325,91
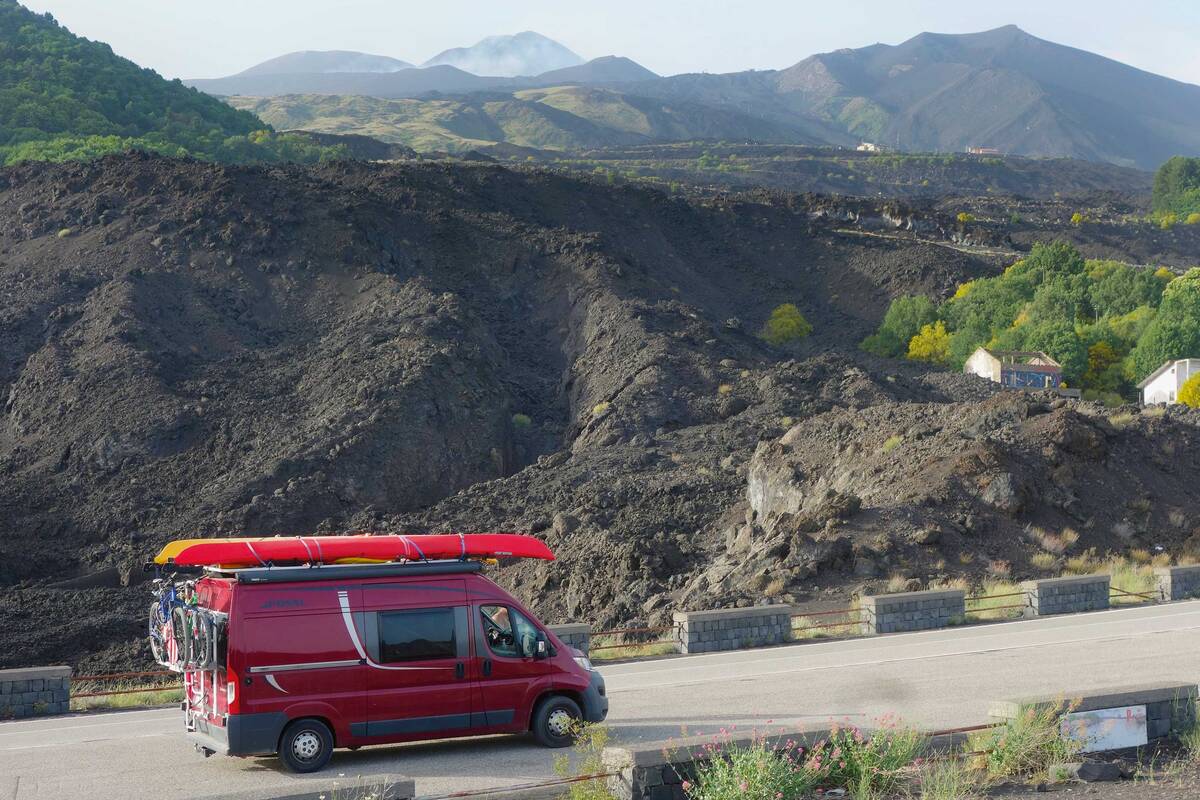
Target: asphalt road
x,y
935,680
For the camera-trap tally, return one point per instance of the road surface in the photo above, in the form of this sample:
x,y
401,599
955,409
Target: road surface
x,y
935,679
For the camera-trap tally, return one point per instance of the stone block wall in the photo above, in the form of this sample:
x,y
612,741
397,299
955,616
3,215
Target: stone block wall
x,y
657,770
913,611
35,691
1178,583
574,635
1067,595
733,628
1170,708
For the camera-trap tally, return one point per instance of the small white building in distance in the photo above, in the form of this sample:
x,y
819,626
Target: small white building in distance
x,y
870,147
1015,369
1163,385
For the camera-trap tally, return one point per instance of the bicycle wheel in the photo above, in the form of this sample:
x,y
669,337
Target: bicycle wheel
x,y
181,632
158,645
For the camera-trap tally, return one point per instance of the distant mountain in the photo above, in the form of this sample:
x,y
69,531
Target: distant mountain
x,y
324,61
271,79
553,118
403,83
606,69
1002,89
525,53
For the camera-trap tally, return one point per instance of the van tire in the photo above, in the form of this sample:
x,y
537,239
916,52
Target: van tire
x,y
550,721
306,745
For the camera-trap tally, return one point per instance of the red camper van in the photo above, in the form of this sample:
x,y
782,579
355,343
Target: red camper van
x,y
309,658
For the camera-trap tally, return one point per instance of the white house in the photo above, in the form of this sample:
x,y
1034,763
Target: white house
x,y
1163,385
1015,369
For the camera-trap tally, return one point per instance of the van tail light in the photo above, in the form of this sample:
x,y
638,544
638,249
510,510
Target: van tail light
x,y
232,701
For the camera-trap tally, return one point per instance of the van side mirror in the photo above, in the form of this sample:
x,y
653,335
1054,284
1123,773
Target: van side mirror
x,y
542,647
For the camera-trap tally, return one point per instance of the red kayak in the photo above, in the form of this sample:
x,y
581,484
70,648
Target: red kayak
x,y
331,549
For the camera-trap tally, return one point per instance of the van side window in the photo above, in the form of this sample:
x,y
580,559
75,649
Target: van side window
x,y
423,634
507,631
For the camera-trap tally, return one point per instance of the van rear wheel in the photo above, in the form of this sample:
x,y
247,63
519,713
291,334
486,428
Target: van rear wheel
x,y
306,745
556,721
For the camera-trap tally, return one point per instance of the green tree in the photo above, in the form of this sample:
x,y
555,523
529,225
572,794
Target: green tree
x,y
1177,187
786,324
931,344
904,319
1175,331
1189,393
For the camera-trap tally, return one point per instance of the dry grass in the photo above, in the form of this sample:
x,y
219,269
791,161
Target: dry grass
x,y
1123,420
725,388
892,442
600,408
146,699
828,626
1044,561
659,647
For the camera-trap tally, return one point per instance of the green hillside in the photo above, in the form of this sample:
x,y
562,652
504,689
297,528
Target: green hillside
x,y
552,118
62,96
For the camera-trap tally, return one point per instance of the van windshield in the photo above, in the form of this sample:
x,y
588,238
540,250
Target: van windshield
x,y
508,632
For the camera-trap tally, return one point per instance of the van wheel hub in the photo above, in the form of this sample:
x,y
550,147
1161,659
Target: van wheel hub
x,y
560,722
306,746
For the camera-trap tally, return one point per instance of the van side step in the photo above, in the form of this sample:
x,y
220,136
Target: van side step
x,y
337,572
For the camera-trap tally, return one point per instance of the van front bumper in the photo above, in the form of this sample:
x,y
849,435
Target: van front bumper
x,y
243,734
595,701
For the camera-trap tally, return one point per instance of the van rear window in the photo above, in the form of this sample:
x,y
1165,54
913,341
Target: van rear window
x,y
419,635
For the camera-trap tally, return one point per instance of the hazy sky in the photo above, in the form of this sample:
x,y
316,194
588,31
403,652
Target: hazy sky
x,y
211,38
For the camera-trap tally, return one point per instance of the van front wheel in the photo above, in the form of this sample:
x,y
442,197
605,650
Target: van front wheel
x,y
556,721
306,745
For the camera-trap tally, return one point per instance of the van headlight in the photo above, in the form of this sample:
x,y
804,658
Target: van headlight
x,y
584,662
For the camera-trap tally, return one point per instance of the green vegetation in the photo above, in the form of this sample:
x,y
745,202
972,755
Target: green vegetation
x,y
875,766
521,421
1030,743
948,779
756,772
785,325
904,319
1107,323
590,741
1177,189
892,442
127,699
64,97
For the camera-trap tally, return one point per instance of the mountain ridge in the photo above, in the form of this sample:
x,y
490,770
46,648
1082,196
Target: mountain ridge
x,y
525,53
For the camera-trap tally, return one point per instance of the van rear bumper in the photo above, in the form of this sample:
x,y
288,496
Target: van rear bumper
x,y
595,702
243,734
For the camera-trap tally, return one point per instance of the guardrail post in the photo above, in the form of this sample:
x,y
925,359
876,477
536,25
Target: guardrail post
x,y
1068,595
1178,583
577,635
912,611
36,691
733,628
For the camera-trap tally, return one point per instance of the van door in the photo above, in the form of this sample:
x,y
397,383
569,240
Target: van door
x,y
418,649
510,678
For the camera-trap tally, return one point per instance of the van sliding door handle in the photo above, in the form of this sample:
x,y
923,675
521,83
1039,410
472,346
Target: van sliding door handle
x,y
460,670
487,667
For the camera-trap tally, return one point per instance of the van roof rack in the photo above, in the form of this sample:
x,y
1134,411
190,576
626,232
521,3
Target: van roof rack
x,y
337,572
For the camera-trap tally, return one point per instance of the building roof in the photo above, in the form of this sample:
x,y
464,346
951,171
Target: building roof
x,y
1029,357
1154,375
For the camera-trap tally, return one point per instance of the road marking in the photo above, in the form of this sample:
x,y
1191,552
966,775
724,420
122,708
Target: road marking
x,y
26,731
879,661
